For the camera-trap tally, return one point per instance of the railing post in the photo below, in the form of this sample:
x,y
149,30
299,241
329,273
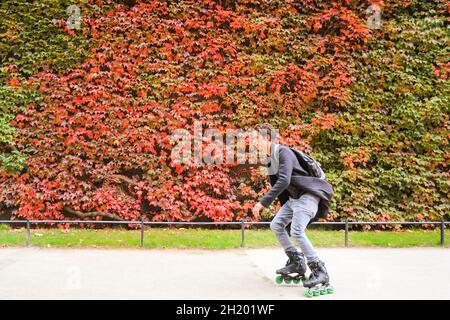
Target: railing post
x,y
242,233
142,232
28,234
346,232
442,233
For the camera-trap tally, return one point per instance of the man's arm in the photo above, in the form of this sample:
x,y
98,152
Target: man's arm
x,y
284,177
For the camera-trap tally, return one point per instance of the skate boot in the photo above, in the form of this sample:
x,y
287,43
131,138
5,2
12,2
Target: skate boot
x,y
319,281
295,269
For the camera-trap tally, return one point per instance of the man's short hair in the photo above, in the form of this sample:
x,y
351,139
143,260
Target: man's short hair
x,y
267,131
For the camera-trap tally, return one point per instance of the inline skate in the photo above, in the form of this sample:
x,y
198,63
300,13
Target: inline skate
x,y
294,271
319,281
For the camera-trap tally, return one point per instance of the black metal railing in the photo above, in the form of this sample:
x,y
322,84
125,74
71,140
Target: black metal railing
x,y
242,224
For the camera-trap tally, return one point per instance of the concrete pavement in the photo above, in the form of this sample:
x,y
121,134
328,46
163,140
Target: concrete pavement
x,y
356,273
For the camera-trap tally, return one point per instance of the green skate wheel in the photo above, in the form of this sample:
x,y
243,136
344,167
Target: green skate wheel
x,y
308,293
323,290
279,279
330,290
316,292
296,281
287,280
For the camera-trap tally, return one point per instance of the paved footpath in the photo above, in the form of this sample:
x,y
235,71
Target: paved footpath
x,y
357,273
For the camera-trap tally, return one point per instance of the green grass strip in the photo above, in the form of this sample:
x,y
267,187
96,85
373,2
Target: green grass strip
x,y
211,238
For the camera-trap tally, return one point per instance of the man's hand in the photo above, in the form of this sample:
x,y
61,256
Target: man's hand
x,y
256,209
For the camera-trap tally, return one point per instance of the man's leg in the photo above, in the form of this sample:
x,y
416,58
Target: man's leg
x,y
304,209
278,226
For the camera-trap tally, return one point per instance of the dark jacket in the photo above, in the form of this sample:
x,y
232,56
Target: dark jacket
x,y
292,180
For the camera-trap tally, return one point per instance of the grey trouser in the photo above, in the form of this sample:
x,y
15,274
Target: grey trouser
x,y
299,212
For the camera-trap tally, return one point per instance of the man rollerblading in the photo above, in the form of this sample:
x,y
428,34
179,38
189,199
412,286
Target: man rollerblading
x,y
299,183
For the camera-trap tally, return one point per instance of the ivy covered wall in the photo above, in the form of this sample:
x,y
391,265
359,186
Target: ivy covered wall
x,y
87,114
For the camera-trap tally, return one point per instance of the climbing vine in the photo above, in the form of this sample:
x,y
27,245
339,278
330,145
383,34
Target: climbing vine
x,y
87,126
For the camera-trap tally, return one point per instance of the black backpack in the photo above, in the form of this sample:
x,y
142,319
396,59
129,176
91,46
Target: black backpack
x,y
309,164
